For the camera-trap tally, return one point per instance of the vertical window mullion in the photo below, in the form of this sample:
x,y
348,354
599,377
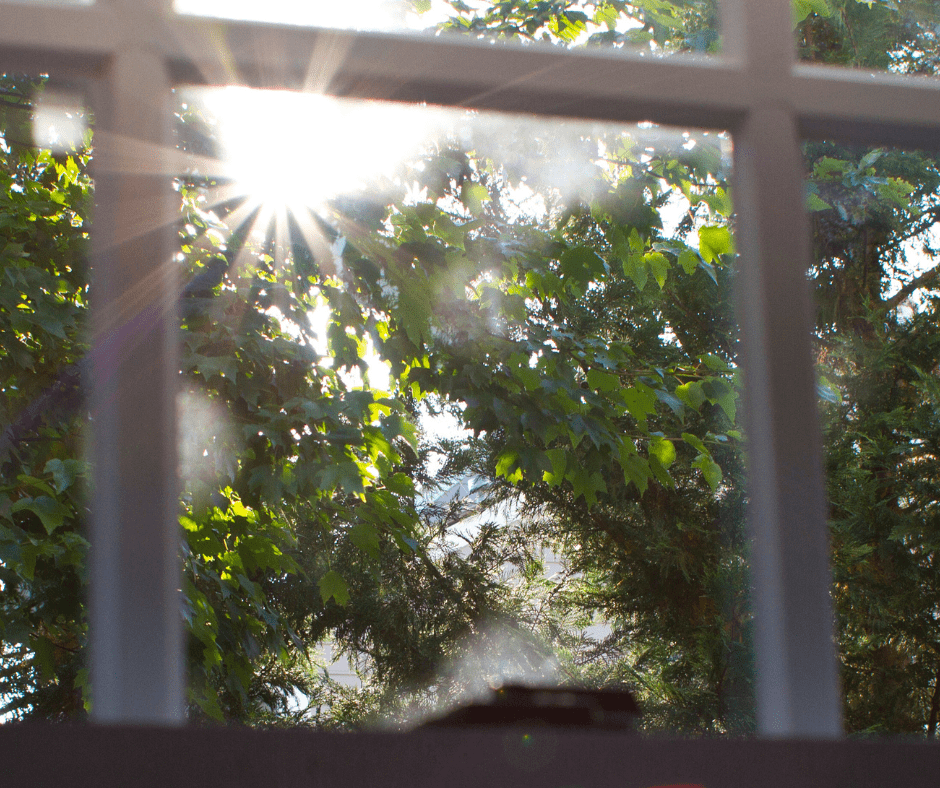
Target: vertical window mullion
x,y
135,627
797,678
797,681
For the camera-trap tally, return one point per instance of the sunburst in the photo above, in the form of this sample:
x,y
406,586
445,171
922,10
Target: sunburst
x,y
287,154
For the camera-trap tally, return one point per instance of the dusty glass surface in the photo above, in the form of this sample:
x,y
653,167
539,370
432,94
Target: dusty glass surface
x,y
877,282
461,405
654,26
882,35
45,203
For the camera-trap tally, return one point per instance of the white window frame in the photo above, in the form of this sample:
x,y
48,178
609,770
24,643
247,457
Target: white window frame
x,y
131,53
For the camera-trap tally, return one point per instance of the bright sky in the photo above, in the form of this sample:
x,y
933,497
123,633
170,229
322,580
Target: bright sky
x,y
360,14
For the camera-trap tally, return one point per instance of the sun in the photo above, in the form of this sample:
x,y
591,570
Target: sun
x,y
286,151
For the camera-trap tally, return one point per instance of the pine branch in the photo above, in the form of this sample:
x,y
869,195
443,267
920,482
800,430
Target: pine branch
x,y
902,294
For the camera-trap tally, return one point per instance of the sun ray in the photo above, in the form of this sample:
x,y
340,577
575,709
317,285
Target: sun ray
x,y
227,193
120,154
328,55
281,238
313,237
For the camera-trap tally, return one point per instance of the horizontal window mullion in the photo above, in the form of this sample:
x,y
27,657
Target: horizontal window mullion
x,y
462,72
453,71
867,107
47,38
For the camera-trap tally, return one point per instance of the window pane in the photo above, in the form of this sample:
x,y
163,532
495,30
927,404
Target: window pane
x,y
647,25
880,35
460,399
876,284
46,196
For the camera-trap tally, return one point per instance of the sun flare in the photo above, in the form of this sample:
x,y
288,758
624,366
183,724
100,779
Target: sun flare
x,y
285,150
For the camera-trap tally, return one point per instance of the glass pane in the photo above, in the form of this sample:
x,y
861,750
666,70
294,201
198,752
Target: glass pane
x,y
461,405
45,202
875,277
881,35
658,26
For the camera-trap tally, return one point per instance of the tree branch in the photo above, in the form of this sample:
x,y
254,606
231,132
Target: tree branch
x,y
910,287
62,397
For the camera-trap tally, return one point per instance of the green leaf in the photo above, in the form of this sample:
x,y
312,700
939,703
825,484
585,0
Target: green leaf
x,y
345,475
674,403
581,265
51,513
636,470
413,310
505,464
827,167
640,402
45,656
714,241
37,484
559,461
661,474
803,8
715,363
659,265
602,381
663,450
586,484
710,470
365,536
210,366
473,195
689,261
719,202
720,391
897,191
606,14
63,473
692,394
333,586
815,203
870,158
634,266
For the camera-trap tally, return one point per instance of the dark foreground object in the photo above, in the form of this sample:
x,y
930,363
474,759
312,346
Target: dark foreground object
x,y
557,707
127,757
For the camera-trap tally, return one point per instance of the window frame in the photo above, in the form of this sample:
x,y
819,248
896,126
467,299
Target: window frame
x,y
130,53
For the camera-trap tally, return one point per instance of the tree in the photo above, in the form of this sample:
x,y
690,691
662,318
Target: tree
x,y
875,279
44,199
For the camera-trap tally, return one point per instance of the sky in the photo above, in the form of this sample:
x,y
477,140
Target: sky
x,y
355,14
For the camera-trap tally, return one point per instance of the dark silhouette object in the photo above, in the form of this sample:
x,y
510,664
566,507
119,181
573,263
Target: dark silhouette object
x,y
566,707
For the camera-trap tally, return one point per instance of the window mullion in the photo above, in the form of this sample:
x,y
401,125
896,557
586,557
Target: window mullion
x,y
135,627
797,680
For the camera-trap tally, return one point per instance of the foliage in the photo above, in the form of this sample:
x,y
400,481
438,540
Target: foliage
x,y
875,278
44,204
658,25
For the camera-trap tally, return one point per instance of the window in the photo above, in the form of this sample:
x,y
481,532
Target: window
x,y
132,52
